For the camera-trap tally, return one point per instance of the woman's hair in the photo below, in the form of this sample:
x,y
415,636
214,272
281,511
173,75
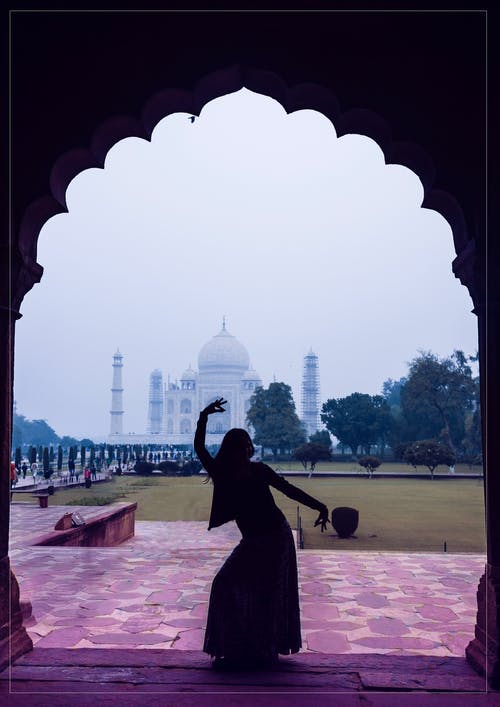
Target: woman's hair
x,y
235,450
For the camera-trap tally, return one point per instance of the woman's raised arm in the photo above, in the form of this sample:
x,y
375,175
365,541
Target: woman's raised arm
x,y
201,428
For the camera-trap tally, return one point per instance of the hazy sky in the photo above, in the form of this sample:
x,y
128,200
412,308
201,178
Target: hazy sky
x,y
300,238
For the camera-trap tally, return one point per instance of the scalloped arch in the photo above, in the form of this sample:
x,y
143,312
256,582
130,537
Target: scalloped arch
x,y
299,97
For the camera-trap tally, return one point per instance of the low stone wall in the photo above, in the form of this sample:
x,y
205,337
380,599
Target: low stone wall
x,y
112,527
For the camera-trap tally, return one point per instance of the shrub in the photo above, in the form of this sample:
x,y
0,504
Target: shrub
x,y
369,463
168,467
144,468
429,453
400,451
190,468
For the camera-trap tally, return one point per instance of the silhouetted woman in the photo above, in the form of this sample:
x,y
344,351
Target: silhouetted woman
x,y
254,603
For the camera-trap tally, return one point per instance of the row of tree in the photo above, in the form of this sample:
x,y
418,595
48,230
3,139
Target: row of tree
x,y
437,401
89,452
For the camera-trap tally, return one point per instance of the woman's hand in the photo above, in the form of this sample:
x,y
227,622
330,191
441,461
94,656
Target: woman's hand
x,y
322,519
216,406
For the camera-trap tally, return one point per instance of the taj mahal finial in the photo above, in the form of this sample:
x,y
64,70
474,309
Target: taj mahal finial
x,y
223,322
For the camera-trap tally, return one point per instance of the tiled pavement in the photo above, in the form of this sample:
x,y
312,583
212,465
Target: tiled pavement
x,y
152,591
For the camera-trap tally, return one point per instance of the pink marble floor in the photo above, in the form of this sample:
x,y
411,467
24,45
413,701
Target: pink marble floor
x,y
152,591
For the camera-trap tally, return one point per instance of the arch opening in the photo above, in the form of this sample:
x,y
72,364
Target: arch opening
x,y
60,176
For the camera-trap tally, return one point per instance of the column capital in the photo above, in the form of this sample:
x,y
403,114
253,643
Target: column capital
x,y
470,268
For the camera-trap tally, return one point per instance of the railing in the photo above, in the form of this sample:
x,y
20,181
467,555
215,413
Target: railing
x,y
300,534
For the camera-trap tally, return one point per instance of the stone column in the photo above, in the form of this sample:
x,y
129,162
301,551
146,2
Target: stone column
x,y
14,641
483,652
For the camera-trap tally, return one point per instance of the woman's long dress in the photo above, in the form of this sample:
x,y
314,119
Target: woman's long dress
x,y
254,601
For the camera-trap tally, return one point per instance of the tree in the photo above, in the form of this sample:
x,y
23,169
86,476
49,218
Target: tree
x,y
321,437
312,453
35,432
272,415
32,455
67,442
59,458
369,463
437,397
17,458
429,453
17,432
47,470
391,391
384,422
471,442
82,455
357,420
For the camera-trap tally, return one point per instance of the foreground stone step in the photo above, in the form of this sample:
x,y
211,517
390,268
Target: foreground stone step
x,y
79,674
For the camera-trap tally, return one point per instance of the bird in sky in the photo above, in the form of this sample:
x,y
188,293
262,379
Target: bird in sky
x,y
191,118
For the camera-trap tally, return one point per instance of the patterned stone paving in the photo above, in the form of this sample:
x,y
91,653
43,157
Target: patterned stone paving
x,y
152,591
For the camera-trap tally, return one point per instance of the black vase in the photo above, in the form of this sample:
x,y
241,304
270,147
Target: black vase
x,y
345,521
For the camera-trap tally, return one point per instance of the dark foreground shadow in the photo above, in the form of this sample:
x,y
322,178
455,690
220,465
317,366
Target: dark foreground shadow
x,y
51,676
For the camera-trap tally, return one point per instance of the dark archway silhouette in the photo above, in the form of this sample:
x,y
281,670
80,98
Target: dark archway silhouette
x,y
305,96
107,67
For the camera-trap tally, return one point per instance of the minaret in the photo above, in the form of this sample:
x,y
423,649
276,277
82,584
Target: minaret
x,y
155,407
117,396
310,393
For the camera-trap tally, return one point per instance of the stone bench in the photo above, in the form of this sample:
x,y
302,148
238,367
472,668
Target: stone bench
x,y
111,527
43,496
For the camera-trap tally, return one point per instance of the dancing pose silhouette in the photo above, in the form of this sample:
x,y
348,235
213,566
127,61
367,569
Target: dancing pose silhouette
x,y
254,601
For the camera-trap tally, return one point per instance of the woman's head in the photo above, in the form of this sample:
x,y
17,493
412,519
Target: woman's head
x,y
236,447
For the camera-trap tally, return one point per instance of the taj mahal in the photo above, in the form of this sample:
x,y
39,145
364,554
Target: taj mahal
x,y
224,370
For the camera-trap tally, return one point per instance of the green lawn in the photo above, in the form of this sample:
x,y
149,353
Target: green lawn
x,y
395,514
384,468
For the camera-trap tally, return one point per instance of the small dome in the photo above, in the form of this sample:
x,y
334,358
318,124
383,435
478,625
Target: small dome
x,y
223,351
189,374
251,375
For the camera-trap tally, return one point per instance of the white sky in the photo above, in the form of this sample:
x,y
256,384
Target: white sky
x,y
301,239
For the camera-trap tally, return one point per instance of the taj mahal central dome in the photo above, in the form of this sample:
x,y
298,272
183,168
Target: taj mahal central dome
x,y
223,371
223,352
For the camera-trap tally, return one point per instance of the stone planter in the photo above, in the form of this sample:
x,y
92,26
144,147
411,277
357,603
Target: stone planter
x,y
345,521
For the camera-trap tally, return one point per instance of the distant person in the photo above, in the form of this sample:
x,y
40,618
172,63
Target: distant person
x,y
13,474
87,477
93,472
253,612
24,469
451,468
34,470
71,469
